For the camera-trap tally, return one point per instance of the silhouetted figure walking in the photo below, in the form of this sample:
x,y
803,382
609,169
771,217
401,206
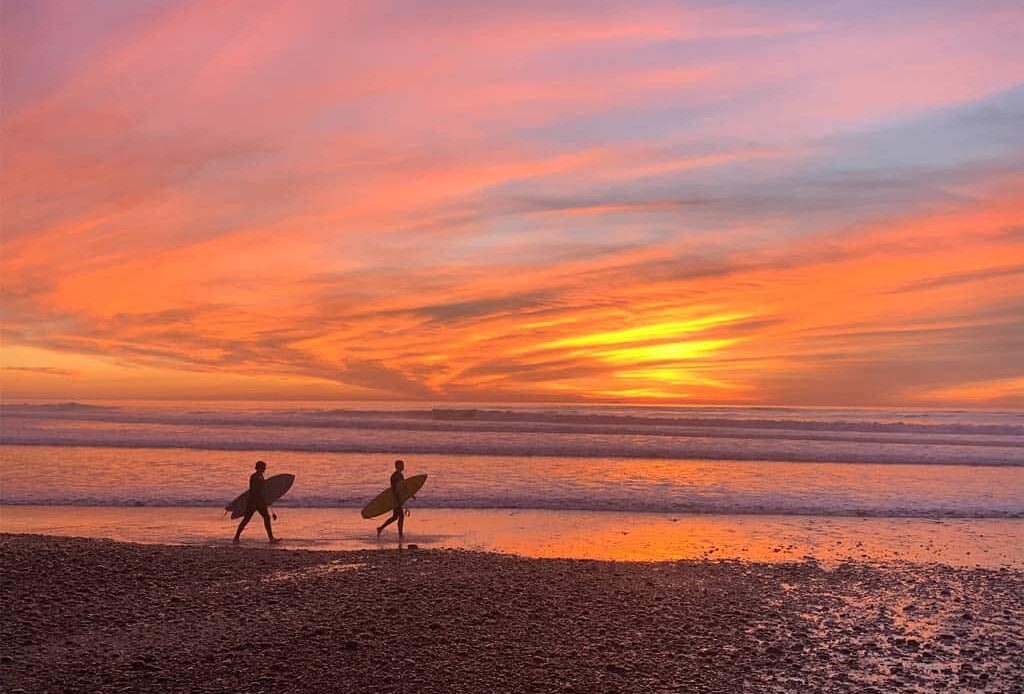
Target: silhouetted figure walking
x,y
399,513
256,502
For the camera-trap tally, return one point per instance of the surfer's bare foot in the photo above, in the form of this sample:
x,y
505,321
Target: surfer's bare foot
x,y
235,541
378,532
274,540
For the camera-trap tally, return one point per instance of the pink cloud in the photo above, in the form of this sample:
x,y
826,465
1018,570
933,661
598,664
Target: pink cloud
x,y
412,199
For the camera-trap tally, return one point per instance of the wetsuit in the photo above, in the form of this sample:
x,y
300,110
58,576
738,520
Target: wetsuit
x,y
257,499
396,479
398,514
256,502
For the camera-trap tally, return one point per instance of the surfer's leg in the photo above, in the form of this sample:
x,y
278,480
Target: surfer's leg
x,y
395,515
266,522
241,526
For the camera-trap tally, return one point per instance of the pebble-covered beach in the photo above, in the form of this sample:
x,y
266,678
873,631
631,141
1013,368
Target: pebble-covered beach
x,y
100,616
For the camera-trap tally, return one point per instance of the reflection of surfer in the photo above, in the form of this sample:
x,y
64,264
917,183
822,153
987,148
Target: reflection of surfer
x,y
398,514
256,502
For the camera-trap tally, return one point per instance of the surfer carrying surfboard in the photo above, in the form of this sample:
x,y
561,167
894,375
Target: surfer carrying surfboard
x,y
399,513
256,502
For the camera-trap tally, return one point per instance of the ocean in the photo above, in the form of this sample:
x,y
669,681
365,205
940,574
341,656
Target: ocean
x,y
693,459
785,465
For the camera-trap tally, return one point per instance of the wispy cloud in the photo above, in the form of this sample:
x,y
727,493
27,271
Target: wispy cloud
x,y
43,370
731,202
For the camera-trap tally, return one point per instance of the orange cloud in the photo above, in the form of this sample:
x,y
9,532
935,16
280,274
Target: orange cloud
x,y
651,202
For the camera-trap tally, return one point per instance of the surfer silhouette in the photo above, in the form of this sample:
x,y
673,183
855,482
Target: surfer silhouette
x,y
256,502
399,513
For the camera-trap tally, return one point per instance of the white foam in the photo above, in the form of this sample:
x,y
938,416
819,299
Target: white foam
x,y
711,433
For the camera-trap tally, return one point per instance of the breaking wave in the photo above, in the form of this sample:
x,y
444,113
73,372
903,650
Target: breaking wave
x,y
710,433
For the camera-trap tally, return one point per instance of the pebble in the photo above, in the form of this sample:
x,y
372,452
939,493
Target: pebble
x,y
187,619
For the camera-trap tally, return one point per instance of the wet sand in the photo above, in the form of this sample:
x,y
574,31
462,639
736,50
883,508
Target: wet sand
x,y
97,615
544,534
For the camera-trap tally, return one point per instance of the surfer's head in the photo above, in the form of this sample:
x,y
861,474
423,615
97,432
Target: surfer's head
x,y
260,465
399,464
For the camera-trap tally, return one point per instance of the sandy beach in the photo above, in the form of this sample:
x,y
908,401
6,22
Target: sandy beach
x,y
98,615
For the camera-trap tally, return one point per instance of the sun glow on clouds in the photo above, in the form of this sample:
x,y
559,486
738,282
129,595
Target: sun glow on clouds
x,y
1007,391
643,333
646,202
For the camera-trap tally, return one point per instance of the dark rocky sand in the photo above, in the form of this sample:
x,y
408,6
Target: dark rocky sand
x,y
99,616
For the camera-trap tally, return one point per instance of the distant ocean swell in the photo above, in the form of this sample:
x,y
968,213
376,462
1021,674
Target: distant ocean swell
x,y
771,434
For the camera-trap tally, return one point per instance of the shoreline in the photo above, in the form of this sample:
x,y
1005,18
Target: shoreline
x,y
99,615
288,505
599,535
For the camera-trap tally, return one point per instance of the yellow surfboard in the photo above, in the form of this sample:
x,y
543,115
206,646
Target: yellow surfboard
x,y
385,501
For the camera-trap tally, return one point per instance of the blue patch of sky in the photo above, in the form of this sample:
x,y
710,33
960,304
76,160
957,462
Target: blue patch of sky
x,y
991,130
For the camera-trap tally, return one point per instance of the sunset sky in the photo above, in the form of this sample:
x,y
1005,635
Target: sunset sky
x,y
797,203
